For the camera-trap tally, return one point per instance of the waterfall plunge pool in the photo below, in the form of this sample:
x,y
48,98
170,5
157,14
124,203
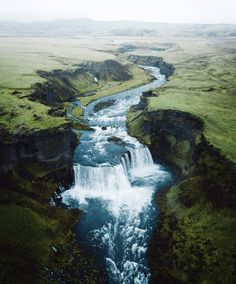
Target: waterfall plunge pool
x,y
115,185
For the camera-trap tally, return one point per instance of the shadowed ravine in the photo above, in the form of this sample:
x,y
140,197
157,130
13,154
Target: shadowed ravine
x,y
115,182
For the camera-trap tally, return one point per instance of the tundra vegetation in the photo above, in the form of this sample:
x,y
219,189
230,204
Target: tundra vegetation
x,y
197,232
195,239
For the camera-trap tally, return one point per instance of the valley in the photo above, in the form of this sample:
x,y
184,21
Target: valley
x,y
75,174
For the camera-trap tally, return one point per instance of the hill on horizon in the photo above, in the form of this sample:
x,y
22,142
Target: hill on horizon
x,y
88,27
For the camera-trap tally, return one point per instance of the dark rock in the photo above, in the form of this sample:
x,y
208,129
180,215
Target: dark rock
x,y
108,70
177,140
15,93
52,92
117,140
102,105
56,111
165,68
36,117
52,149
104,128
143,100
4,134
58,87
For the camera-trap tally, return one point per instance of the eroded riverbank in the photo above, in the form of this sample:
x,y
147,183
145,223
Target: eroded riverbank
x,y
195,238
115,184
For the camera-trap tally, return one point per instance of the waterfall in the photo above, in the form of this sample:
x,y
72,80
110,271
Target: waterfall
x,y
101,179
125,238
114,184
141,157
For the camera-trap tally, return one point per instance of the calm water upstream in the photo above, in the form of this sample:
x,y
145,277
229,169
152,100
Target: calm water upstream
x,y
115,185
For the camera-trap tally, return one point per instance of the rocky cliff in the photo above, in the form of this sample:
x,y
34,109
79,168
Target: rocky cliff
x,y
195,238
177,139
61,86
146,60
50,148
36,241
33,166
108,70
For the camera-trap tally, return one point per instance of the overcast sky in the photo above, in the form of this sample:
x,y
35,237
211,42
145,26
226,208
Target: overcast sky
x,y
192,11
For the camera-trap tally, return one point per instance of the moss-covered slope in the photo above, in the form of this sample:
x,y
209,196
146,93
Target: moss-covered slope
x,y
189,124
195,239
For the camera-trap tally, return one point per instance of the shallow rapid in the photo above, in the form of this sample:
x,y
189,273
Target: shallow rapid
x,y
115,182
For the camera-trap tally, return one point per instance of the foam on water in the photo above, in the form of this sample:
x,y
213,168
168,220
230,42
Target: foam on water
x,y
123,183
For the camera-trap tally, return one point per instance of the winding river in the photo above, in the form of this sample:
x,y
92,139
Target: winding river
x,y
115,183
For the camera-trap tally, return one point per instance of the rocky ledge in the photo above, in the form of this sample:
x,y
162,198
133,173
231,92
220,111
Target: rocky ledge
x,y
60,86
147,60
36,241
194,241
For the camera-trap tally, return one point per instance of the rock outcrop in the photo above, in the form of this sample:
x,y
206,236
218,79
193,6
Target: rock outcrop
x,y
104,104
61,86
36,240
51,148
58,86
165,68
187,246
177,139
108,70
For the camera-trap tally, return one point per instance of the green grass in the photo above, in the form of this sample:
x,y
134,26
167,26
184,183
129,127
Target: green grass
x,y
204,84
21,115
24,243
140,77
134,122
84,84
21,227
20,58
77,112
204,241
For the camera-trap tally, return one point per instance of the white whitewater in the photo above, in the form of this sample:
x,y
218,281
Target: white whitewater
x,y
120,180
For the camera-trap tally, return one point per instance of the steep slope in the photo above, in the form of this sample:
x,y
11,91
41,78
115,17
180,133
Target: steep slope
x,y
189,125
108,70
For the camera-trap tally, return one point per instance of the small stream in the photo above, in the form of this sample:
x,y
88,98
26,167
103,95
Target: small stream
x,y
115,183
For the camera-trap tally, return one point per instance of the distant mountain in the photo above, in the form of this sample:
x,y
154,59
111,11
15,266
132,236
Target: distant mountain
x,y
87,27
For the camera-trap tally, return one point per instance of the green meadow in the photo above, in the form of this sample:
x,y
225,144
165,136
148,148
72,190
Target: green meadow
x,y
204,84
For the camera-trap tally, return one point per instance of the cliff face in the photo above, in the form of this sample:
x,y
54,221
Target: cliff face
x,y
174,138
33,166
36,241
40,155
51,148
177,139
108,70
61,86
58,86
196,232
165,68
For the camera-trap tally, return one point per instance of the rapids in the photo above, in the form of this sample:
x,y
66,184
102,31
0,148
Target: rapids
x,y
115,185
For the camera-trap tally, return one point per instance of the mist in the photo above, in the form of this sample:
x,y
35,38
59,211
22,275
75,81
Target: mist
x,y
172,11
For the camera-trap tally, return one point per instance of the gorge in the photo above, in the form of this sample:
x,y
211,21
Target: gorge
x,y
134,186
115,184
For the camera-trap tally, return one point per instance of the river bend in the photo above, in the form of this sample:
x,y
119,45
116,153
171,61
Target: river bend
x,y
115,183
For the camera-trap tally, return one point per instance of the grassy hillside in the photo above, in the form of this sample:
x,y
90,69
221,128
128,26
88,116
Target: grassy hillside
x,y
21,115
194,241
21,58
204,84
87,27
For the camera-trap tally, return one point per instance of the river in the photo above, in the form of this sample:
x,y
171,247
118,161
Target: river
x,y
115,184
